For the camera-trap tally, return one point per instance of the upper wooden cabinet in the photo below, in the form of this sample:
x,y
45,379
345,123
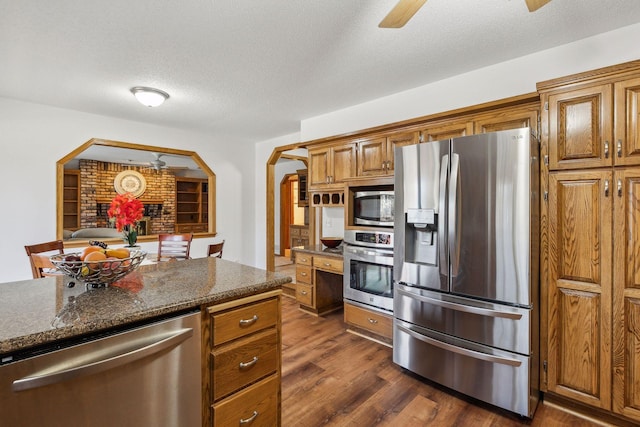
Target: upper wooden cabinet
x,y
332,166
627,116
509,118
580,123
593,126
375,155
446,129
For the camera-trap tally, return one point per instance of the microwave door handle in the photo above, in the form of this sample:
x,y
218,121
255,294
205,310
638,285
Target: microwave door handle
x,y
444,166
453,214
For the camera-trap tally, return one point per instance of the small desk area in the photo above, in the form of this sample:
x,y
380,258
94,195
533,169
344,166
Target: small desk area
x,y
319,273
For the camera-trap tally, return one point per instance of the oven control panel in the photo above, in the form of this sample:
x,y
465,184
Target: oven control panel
x,y
375,239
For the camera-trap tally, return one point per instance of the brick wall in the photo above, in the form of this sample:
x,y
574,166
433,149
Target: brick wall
x,y
97,191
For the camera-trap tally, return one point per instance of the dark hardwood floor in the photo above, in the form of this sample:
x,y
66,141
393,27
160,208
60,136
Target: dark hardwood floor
x,y
334,378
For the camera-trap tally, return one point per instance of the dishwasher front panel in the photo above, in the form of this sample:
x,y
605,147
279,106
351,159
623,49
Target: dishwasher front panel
x,y
146,376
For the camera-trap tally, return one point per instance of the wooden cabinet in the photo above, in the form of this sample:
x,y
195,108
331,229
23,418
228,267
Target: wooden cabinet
x,y
71,200
243,362
318,283
303,194
508,118
298,235
626,293
192,205
590,250
580,267
369,321
438,131
583,132
375,155
331,166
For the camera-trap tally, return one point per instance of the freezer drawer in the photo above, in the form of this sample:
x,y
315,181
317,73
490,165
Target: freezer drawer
x,y
497,377
496,325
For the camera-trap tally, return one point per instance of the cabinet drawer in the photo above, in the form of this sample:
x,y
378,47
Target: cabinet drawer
x,y
328,264
294,231
372,321
304,294
243,362
304,233
258,403
303,259
303,274
242,321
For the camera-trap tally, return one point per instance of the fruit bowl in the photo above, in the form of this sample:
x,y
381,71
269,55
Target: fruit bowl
x,y
331,242
97,273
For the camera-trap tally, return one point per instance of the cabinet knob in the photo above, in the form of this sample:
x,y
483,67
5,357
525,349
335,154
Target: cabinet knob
x,y
372,321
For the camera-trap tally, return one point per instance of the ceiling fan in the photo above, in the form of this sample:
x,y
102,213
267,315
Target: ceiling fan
x,y
405,9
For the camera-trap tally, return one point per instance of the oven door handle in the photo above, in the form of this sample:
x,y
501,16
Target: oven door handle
x,y
460,350
363,254
459,307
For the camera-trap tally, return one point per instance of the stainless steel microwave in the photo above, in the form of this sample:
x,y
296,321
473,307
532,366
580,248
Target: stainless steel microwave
x,y
374,208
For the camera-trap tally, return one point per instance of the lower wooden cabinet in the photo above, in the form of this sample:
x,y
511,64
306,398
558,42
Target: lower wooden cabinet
x,y
318,282
243,367
371,321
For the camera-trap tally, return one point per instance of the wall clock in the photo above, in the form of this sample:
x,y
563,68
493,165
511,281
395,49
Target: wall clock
x,y
130,182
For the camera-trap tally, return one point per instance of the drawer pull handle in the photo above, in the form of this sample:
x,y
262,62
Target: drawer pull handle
x,y
303,274
250,419
303,292
247,322
249,364
372,321
326,264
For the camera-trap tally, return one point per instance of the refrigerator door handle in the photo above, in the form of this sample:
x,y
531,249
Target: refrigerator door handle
x,y
463,351
442,225
459,307
454,247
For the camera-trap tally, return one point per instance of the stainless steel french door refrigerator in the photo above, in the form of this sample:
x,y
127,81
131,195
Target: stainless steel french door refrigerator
x,y
466,308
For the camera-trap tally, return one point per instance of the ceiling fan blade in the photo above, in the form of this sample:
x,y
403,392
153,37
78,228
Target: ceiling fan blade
x,y
401,13
534,5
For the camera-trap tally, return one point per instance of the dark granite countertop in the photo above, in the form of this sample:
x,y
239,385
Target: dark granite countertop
x,y
320,250
41,311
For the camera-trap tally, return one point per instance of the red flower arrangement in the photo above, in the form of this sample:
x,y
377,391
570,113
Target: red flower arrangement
x,y
127,211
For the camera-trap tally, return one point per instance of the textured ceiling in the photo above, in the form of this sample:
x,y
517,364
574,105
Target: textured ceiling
x,y
250,70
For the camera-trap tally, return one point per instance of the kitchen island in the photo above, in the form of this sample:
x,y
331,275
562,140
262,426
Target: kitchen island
x,y
38,316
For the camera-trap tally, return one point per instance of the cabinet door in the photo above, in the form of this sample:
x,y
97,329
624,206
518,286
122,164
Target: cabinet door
x,y
399,140
319,167
438,132
580,128
627,128
507,119
579,288
344,163
372,157
626,308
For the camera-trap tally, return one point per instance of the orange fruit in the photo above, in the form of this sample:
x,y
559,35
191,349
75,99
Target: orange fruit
x,y
94,256
90,249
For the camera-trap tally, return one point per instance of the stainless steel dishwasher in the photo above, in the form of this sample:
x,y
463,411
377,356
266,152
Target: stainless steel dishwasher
x,y
149,375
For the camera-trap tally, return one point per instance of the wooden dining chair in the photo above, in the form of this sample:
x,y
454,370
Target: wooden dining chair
x,y
174,246
41,266
215,249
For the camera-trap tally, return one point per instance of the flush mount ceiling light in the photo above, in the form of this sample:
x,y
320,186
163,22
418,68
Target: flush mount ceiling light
x,y
149,96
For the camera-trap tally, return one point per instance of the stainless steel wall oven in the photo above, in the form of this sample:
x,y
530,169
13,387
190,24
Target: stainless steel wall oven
x,y
368,263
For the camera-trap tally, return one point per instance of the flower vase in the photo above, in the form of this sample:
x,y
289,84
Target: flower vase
x,y
130,236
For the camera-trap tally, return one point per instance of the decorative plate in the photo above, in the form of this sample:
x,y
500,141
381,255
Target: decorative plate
x,y
130,182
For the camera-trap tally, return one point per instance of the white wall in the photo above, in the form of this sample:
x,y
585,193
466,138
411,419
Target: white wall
x,y
33,137
515,77
263,152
